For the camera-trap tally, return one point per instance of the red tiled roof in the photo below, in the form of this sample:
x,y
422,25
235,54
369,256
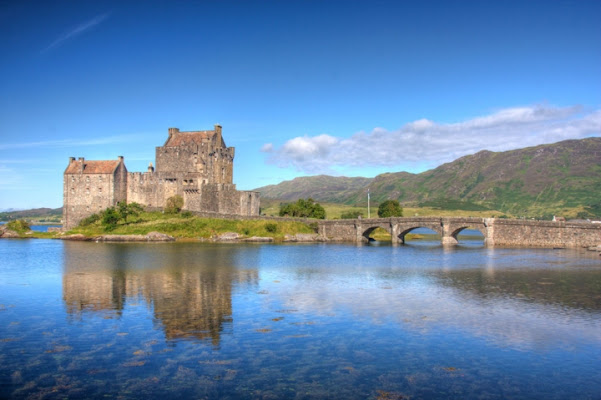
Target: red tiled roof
x,y
93,167
181,138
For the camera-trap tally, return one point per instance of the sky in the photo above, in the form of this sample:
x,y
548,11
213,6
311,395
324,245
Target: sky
x,y
345,88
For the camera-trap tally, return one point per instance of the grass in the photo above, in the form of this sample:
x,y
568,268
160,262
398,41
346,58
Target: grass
x,y
182,226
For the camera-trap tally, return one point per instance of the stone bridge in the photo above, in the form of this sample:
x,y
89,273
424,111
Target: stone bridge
x,y
496,232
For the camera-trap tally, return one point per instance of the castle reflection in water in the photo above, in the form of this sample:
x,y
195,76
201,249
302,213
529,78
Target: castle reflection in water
x,y
190,297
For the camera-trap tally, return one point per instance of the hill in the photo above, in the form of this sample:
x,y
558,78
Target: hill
x,y
38,214
534,181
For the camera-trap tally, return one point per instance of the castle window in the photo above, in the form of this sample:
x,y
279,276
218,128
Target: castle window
x,y
99,190
87,190
72,190
87,179
72,179
87,208
100,178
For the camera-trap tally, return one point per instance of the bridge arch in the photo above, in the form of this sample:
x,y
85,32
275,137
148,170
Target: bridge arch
x,y
453,230
405,230
366,232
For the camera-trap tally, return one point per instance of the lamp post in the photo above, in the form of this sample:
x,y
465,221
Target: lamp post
x,y
368,211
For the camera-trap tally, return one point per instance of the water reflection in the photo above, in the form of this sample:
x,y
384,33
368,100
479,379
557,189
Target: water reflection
x,y
297,321
189,292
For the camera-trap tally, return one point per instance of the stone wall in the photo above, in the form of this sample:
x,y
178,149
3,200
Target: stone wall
x,y
88,193
496,232
520,233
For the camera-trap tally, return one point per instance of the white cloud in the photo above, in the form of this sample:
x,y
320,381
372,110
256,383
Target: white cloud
x,y
427,142
78,30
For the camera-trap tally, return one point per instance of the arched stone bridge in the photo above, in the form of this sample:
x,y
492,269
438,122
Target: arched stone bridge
x,y
496,232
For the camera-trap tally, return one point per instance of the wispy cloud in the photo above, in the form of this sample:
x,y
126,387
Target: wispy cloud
x,y
72,143
77,31
427,142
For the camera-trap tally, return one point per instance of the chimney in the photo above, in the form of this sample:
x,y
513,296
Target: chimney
x,y
81,164
120,158
150,167
218,137
71,159
173,131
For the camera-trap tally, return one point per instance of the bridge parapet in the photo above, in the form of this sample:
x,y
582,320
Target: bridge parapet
x,y
496,232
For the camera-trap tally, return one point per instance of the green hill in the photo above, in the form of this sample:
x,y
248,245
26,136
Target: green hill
x,y
559,178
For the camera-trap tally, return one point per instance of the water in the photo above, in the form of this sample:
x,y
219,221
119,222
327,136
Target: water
x,y
304,321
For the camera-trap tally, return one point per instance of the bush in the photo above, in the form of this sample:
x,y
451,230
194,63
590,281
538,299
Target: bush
x,y
110,218
87,221
186,214
390,208
351,215
271,227
174,204
19,226
124,209
304,209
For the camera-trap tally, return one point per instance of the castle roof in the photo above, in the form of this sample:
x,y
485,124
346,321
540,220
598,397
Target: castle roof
x,y
93,167
183,138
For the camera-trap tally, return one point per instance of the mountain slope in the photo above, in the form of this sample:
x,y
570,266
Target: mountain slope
x,y
547,177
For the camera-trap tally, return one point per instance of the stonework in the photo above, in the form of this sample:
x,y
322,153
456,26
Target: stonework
x,y
496,232
196,165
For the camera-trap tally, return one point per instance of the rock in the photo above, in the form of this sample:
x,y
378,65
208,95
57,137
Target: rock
x,y
159,237
78,237
258,239
227,237
304,237
150,237
595,248
8,234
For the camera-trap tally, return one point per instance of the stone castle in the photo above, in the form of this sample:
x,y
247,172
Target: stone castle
x,y
196,165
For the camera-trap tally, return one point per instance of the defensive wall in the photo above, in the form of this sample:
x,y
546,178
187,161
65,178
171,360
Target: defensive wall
x,y
496,232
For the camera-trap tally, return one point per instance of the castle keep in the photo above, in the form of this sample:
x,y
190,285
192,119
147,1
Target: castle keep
x,y
195,165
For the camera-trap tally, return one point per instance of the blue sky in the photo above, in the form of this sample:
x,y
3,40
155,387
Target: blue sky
x,y
352,88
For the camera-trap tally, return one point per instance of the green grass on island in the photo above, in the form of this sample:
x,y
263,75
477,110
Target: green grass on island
x,y
186,226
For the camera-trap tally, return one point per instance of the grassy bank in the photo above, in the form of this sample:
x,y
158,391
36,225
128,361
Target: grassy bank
x,y
186,226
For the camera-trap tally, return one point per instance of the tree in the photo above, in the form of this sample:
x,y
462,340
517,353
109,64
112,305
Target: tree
x,y
124,209
390,208
110,217
174,204
304,209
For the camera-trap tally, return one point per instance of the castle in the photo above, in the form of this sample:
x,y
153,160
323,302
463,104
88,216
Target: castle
x,y
196,165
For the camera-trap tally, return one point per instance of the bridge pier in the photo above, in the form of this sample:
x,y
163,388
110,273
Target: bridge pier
x,y
395,232
447,238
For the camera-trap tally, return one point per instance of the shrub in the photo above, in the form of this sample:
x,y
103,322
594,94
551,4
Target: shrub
x,y
390,208
351,215
124,209
186,214
87,221
271,227
174,204
19,226
303,208
110,218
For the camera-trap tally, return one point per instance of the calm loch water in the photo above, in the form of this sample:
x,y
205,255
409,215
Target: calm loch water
x,y
336,321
